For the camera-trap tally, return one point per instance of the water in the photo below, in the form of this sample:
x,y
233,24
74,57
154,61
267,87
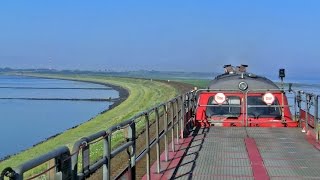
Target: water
x,y
24,123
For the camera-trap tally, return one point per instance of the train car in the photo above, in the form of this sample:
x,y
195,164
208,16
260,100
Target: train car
x,y
239,98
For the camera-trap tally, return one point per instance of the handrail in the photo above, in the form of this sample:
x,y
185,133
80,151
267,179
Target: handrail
x,y
176,116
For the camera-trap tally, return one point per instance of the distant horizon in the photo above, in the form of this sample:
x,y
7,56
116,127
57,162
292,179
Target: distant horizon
x,y
273,76
183,36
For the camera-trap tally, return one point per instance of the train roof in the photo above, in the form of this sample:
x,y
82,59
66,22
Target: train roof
x,y
232,81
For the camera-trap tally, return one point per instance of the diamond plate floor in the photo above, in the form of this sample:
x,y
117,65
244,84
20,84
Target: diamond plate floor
x,y
221,153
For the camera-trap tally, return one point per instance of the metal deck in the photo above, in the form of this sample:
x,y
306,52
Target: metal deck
x,y
249,153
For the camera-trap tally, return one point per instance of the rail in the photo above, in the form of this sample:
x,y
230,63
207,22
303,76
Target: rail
x,y
175,115
306,109
170,119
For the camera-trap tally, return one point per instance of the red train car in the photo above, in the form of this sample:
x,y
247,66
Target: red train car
x,y
239,98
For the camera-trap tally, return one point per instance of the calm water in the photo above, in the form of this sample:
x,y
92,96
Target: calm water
x,y
27,122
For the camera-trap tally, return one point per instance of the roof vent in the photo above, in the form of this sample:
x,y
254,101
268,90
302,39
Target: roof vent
x,y
228,69
242,68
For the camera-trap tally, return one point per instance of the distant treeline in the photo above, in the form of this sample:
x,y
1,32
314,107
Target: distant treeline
x,y
138,74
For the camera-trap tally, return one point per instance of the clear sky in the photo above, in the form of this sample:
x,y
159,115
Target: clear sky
x,y
174,35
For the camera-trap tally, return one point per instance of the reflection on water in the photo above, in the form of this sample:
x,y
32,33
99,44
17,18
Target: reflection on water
x,y
25,123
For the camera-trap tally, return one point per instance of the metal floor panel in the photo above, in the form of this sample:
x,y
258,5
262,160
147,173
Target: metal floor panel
x,y
295,172
221,153
288,150
286,153
291,163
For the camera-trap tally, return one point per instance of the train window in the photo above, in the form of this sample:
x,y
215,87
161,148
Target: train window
x,y
258,108
230,108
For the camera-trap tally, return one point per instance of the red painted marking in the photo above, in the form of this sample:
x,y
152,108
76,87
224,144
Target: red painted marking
x,y
259,171
217,175
311,138
167,168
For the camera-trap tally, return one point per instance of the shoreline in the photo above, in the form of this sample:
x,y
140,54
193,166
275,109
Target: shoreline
x,y
123,95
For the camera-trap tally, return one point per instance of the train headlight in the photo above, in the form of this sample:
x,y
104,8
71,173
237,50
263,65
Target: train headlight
x,y
243,86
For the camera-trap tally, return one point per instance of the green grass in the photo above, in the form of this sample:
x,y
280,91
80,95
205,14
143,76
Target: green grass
x,y
143,95
199,83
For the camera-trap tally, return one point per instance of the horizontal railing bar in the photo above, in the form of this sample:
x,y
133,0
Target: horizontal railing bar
x,y
98,164
121,148
97,135
42,159
219,105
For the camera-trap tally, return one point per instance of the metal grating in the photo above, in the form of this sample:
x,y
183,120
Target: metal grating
x,y
221,153
296,172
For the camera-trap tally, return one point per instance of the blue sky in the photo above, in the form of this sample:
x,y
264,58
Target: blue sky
x,y
174,35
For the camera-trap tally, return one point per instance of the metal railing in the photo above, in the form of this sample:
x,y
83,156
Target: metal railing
x,y
306,109
169,119
174,115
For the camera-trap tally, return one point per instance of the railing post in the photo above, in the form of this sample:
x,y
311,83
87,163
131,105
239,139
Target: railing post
x,y
307,112
177,120
166,149
316,122
158,140
182,116
173,126
132,151
147,146
295,105
63,163
107,154
299,100
282,105
85,157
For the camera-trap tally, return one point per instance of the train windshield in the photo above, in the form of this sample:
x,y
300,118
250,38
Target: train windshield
x,y
230,108
258,108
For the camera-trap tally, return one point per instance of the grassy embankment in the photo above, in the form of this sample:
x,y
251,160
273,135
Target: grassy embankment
x,y
143,94
199,83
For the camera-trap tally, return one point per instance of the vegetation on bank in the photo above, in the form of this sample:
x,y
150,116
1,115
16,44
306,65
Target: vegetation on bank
x,y
143,94
199,83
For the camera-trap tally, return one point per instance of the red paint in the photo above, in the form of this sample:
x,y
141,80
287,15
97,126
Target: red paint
x,y
258,169
168,167
312,140
202,121
303,115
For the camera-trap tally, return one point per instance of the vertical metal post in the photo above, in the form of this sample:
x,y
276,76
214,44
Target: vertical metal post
x,y
295,106
147,146
173,126
158,139
132,151
85,158
246,109
182,116
177,120
307,113
107,153
316,122
166,149
282,104
63,166
299,107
